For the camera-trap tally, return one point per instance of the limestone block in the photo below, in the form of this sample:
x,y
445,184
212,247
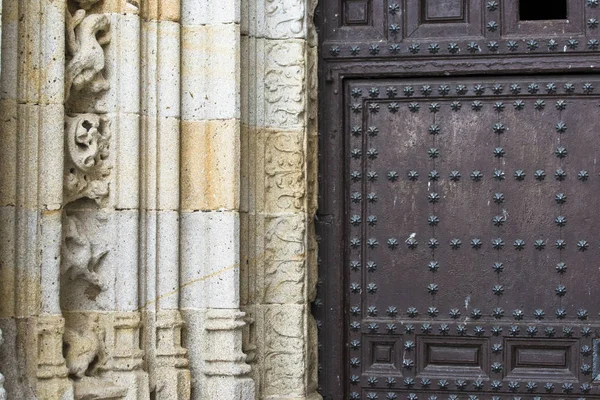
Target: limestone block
x,y
274,83
52,52
49,248
210,174
209,260
125,155
161,77
123,65
117,7
275,19
161,10
210,72
167,265
7,261
282,353
160,164
8,158
10,51
206,12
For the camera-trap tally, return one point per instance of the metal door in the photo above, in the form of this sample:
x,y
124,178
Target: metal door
x,y
459,214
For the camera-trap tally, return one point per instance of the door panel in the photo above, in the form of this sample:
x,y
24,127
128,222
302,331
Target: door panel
x,y
471,236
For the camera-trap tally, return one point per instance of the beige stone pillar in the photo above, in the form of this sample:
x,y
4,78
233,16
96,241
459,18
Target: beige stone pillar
x,y
31,186
279,195
210,169
166,358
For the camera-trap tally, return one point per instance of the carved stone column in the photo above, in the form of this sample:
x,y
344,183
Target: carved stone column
x,y
210,229
279,137
166,358
32,148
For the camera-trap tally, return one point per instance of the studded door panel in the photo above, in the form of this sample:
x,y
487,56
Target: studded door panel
x,y
472,237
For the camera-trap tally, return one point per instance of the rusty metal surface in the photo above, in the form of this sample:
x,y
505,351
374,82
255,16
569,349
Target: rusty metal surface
x,y
458,220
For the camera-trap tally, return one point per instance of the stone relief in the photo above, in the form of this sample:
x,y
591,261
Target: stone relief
x,y
87,164
284,350
285,259
86,36
83,345
284,167
285,18
284,84
80,259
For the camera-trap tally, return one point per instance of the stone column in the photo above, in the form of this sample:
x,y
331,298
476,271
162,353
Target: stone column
x,y
32,146
167,361
279,138
210,229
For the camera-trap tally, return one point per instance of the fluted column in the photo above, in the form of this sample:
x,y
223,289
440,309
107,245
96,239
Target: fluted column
x,y
210,229
167,359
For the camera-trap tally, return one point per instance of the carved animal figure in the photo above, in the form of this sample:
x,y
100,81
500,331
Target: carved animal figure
x,y
86,34
78,258
84,347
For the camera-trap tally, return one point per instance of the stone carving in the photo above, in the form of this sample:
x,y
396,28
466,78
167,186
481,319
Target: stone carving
x,y
79,258
285,259
284,351
83,345
285,18
87,163
86,34
284,167
284,84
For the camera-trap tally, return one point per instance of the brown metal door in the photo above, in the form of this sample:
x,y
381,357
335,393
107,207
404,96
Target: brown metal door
x,y
459,223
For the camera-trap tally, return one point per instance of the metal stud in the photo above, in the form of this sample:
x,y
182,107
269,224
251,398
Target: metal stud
x,y
533,88
512,45
560,198
479,89
560,175
583,245
371,266
391,311
444,90
552,44
493,46
519,105
392,176
455,176
434,129
476,314
394,28
374,49
593,44
412,312
433,198
372,381
498,198
497,367
496,330
499,128
391,92
356,153
498,290
394,8
551,88
497,244
426,90
549,332
461,89
582,315
476,106
409,345
561,127
539,314
453,48
561,105
560,244
492,6
433,220
372,396
496,385
514,330
356,131
588,88
455,106
414,48
586,369
432,288
372,288
476,243
354,396
540,175
539,244
433,266
374,108
354,379
434,48
355,326
433,243
355,220
498,220
454,313
560,313
372,243
392,243
408,91
539,105
373,327
434,107
355,345
414,107
372,197
426,328
520,175
455,244
355,50
476,176
444,329
561,152
425,382
498,313
532,331
355,310
583,175
567,387
585,388
461,330
335,51
473,47
356,108
433,312
499,106
532,45
499,175
409,382
393,107
513,386
518,314
592,3
354,243
409,329
572,44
